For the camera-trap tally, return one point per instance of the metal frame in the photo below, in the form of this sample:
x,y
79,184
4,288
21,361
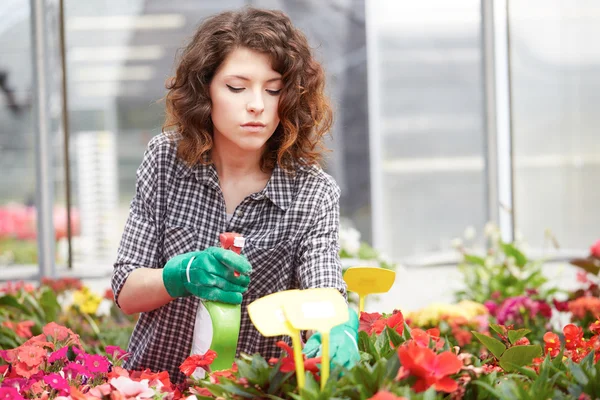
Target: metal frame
x,y
498,119
373,96
43,144
496,48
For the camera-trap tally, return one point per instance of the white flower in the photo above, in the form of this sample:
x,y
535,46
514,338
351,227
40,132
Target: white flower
x,y
457,243
491,230
470,233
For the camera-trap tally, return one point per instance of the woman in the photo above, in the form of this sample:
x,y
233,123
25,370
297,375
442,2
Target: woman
x,y
246,116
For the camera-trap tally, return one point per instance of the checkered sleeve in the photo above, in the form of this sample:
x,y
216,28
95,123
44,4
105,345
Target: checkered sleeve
x,y
139,243
318,258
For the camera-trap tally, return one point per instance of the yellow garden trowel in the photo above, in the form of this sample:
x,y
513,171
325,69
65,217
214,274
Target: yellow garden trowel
x,y
368,280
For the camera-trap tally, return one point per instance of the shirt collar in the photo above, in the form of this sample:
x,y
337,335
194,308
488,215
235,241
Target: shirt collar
x,y
279,190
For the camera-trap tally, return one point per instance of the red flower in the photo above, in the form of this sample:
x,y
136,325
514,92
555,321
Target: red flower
x,y
595,327
289,365
197,360
396,322
552,344
431,369
523,342
423,338
562,306
367,320
573,336
227,374
595,249
385,395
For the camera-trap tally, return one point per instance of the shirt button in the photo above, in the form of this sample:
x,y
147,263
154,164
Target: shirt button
x,y
239,213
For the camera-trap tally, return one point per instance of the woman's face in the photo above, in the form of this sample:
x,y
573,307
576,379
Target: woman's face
x,y
245,95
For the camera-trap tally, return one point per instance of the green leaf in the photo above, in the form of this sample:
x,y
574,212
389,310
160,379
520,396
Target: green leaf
x,y
246,371
525,371
511,251
495,346
406,332
392,366
498,329
519,355
382,344
36,308
249,393
277,381
11,301
578,373
365,344
490,389
472,259
395,337
514,336
49,304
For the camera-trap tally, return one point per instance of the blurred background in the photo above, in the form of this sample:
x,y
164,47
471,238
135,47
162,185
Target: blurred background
x,y
449,115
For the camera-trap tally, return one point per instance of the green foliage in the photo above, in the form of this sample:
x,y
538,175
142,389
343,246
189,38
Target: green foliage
x,y
505,272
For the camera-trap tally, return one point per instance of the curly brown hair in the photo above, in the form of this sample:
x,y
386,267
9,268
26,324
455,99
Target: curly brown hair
x,y
304,111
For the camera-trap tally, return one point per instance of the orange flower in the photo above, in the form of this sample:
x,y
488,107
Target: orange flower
x,y
31,355
429,368
581,306
23,329
226,373
197,360
385,395
57,332
24,370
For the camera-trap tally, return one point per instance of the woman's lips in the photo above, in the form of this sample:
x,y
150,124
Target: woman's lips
x,y
253,127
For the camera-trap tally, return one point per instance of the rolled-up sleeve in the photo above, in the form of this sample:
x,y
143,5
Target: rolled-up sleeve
x,y
139,243
319,264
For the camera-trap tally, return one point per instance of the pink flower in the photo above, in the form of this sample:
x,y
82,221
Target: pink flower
x,y
129,388
58,355
73,369
55,381
595,249
96,363
10,393
17,383
116,352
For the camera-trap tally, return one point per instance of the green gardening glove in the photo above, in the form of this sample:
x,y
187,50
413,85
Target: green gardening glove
x,y
343,343
208,274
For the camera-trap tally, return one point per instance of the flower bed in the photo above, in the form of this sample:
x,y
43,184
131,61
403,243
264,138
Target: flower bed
x,y
495,343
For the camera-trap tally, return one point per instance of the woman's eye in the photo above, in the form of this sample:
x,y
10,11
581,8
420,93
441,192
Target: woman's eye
x,y
234,89
274,92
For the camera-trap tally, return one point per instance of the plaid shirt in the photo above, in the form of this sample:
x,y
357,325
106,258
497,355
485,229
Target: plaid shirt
x,y
291,230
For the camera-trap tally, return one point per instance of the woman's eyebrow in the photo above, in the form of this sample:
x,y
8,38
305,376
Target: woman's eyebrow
x,y
247,79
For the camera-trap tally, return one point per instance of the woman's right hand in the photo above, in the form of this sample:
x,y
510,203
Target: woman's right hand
x,y
208,274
